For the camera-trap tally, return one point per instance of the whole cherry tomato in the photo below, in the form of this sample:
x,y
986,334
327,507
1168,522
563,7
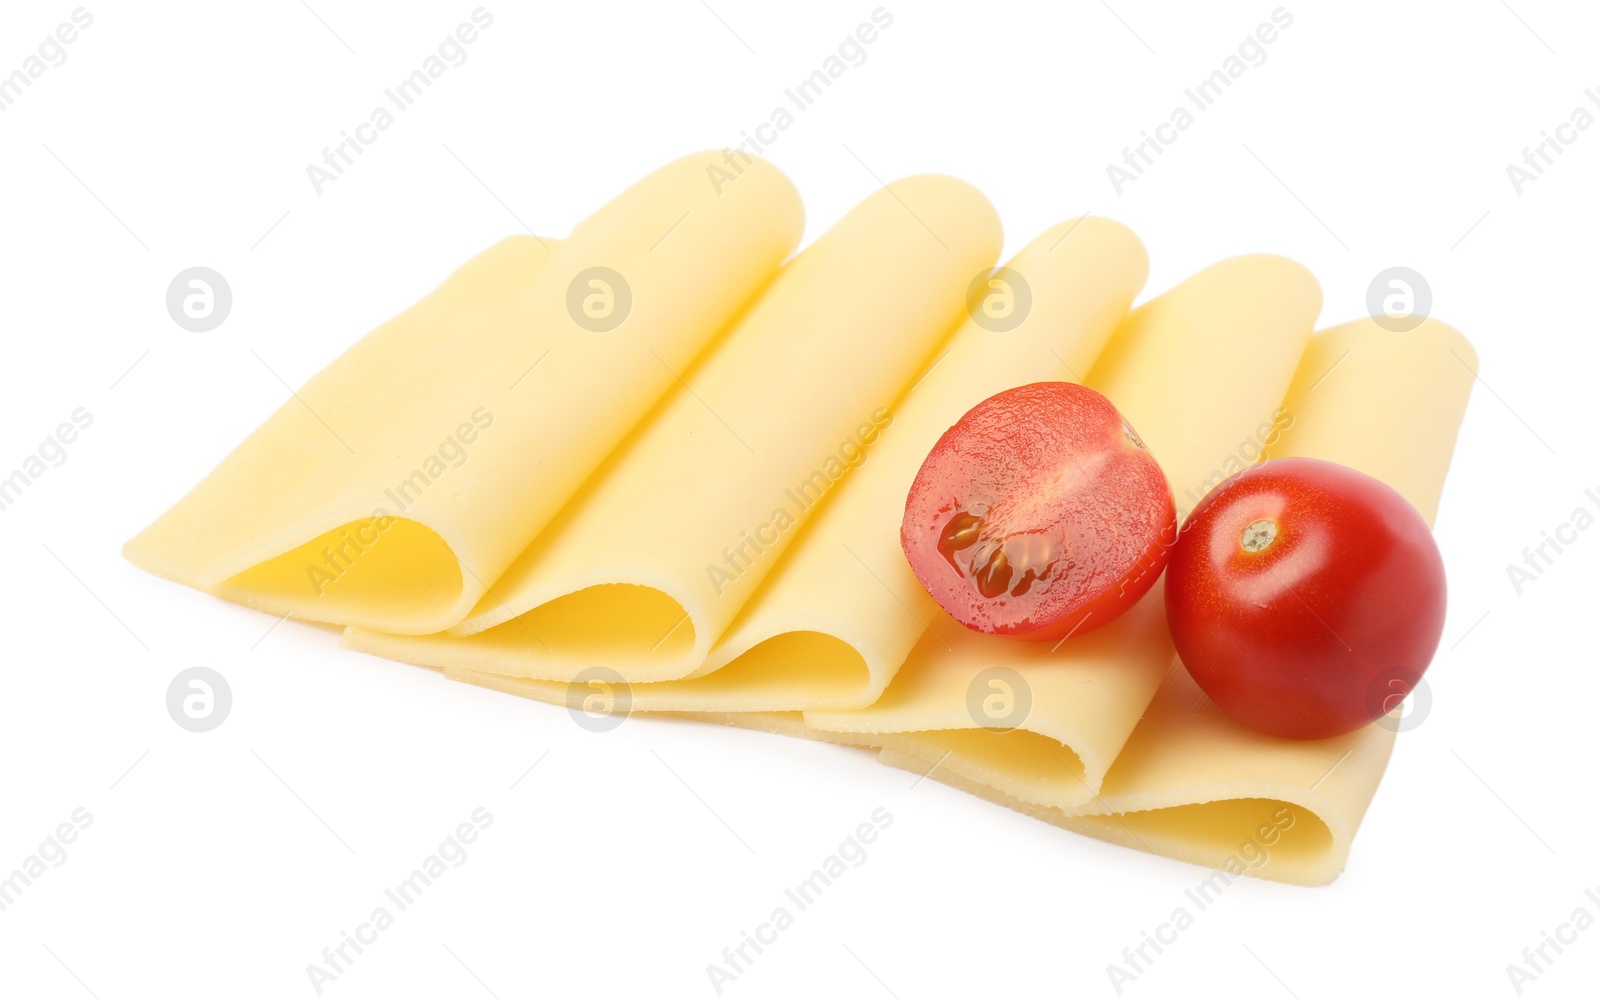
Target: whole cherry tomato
x,y
1305,598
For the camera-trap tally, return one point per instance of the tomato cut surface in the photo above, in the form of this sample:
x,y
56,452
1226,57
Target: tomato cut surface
x,y
1040,514
1305,598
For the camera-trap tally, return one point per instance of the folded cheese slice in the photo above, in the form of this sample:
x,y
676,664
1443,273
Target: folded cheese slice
x,y
842,610
397,484
1199,372
1193,784
655,558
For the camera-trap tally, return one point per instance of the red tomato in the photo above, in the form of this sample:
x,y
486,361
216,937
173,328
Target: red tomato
x,y
1039,514
1305,597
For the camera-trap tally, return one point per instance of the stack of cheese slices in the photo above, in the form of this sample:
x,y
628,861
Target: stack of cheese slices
x,y
705,498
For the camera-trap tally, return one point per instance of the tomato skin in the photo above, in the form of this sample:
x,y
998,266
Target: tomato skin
x,y
1039,514
1326,626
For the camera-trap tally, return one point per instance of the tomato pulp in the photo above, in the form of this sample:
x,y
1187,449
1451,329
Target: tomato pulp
x,y
1039,514
1305,598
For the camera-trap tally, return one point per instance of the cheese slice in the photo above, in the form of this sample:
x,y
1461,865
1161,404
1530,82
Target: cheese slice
x,y
1198,371
555,462
653,561
842,609
1193,784
397,484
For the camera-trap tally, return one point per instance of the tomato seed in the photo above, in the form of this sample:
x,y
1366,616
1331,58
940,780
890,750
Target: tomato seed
x,y
992,573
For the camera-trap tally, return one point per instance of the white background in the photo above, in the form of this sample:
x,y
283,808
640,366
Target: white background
x,y
221,864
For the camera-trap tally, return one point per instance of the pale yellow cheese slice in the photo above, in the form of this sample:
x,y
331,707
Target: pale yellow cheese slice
x,y
842,610
397,484
1196,371
1193,784
653,560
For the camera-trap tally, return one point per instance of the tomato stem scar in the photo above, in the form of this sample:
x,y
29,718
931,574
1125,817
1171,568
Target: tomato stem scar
x,y
1259,534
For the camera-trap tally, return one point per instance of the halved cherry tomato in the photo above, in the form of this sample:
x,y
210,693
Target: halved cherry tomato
x,y
1039,514
1306,598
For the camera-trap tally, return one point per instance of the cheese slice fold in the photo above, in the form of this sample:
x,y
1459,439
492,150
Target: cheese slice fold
x,y
842,609
652,562
403,479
